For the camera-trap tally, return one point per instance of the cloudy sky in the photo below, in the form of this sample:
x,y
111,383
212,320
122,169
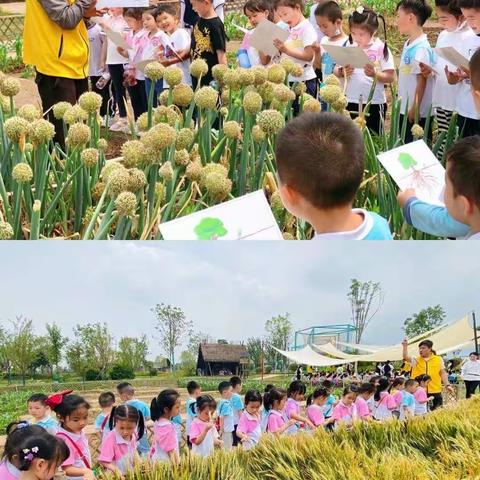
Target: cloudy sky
x,y
230,289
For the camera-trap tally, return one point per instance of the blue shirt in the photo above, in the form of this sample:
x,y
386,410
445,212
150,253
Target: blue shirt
x,y
225,410
408,401
98,425
328,407
143,445
237,406
49,424
191,414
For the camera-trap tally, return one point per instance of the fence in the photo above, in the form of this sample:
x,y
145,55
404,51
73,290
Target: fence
x,y
11,27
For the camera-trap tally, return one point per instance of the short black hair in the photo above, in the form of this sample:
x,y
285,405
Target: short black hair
x,y
253,396
166,8
134,12
426,343
106,399
366,388
450,6
475,4
125,387
259,6
38,397
321,155
475,70
222,386
192,385
330,10
420,8
235,381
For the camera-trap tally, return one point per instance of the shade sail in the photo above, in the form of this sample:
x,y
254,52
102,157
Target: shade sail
x,y
306,356
332,350
362,347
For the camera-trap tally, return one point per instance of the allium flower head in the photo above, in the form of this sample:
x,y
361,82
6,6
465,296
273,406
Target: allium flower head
x,y
168,115
182,95
166,171
332,80
137,179
154,71
225,96
252,102
246,76
159,137
232,129
282,93
299,88
297,70
260,74
78,135
109,168
126,204
163,98
133,153
90,102
194,171
22,173
41,131
6,231
276,73
182,157
4,103
118,181
218,71
173,75
417,131
266,91
218,186
276,205
89,157
29,148
142,122
206,97
340,103
160,192
185,138
330,93
232,80
75,114
15,128
224,112
9,87
287,64
198,68
59,109
258,134
271,121
29,112
212,168
97,191
102,144
312,105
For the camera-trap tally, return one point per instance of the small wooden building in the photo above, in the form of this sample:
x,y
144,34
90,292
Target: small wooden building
x,y
222,359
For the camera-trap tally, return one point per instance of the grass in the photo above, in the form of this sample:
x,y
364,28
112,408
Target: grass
x,y
12,406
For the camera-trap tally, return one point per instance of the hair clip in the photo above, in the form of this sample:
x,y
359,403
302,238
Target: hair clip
x,y
21,425
57,398
360,9
29,453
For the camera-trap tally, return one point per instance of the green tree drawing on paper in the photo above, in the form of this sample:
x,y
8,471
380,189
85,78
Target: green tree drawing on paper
x,y
210,229
406,160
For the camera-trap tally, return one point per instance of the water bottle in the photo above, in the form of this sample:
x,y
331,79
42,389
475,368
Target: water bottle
x,y
243,59
103,80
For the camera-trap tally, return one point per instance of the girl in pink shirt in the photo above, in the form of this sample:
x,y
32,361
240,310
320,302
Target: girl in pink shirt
x,y
203,435
120,445
274,402
421,397
397,390
249,428
163,409
384,403
345,412
72,413
38,456
296,394
315,403
365,392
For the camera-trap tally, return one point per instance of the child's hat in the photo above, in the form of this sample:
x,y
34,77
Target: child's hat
x,y
57,398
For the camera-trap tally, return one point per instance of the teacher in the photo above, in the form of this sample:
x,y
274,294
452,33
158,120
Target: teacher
x,y
428,363
55,42
471,374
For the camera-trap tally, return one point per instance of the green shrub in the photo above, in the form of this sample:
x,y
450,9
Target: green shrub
x,y
120,372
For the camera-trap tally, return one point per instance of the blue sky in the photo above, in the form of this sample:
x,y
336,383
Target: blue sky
x,y
229,289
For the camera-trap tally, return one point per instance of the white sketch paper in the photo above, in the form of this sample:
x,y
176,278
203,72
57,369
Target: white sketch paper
x,y
452,56
263,36
343,56
245,218
415,166
121,3
117,39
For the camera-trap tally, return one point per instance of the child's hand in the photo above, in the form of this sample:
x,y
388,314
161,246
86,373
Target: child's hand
x,y
403,197
411,114
279,45
209,426
454,77
291,422
316,47
345,71
310,424
425,70
244,439
369,70
122,51
430,398
218,442
466,71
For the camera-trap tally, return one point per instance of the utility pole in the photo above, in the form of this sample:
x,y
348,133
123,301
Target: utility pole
x,y
475,330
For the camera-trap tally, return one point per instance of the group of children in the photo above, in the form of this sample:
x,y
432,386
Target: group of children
x,y
46,445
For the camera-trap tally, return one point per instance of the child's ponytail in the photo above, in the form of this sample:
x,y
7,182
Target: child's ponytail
x,y
309,399
385,45
382,386
165,400
111,420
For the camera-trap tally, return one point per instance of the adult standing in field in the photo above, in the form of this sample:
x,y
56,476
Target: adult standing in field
x,y
55,42
471,374
429,363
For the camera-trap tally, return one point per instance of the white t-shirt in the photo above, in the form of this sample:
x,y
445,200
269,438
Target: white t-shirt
x,y
327,61
179,40
96,39
471,370
207,447
465,105
412,54
218,6
301,36
117,24
360,85
313,21
444,94
154,41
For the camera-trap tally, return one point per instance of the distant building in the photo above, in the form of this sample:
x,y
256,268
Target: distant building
x,y
222,359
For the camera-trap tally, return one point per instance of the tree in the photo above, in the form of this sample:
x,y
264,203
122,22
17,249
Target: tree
x,y
77,358
279,331
173,327
132,352
20,345
197,338
55,344
188,363
423,321
365,298
254,349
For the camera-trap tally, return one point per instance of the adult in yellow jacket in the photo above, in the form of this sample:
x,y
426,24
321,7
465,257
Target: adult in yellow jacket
x,y
55,42
428,363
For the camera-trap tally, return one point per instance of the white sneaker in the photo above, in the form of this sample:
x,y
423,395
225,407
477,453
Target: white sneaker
x,y
119,126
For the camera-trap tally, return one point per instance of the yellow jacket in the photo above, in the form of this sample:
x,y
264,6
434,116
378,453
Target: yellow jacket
x,y
431,367
55,38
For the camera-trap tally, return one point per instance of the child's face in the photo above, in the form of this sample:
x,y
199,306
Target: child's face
x,y
197,393
448,21
320,401
125,428
167,22
37,410
425,384
115,12
412,388
281,403
458,206
253,407
400,387
205,415
472,16
328,28
202,7
256,17
405,21
227,393
133,23
291,16
367,395
175,410
349,398
361,36
42,470
298,397
149,22
77,420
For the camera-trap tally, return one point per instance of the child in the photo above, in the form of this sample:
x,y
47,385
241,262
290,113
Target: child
x,y
178,424
384,402
39,456
194,391
421,398
127,395
397,389
320,160
365,393
471,12
120,445
17,433
315,404
208,39
331,400
72,413
178,44
164,408
225,413
115,62
299,44
237,406
345,412
106,401
40,412
274,402
249,428
296,394
408,404
364,24
313,21
256,11
414,89
264,416
203,434
329,19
